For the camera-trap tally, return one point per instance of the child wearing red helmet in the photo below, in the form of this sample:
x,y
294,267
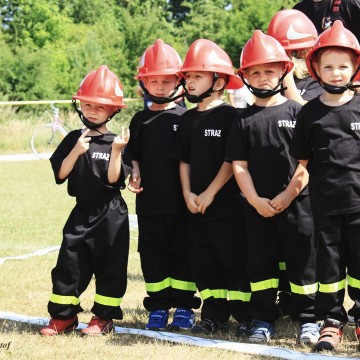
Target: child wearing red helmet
x,y
96,234
297,35
326,141
277,211
210,191
160,208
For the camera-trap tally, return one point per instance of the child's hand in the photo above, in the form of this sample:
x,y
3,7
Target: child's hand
x,y
191,203
203,201
281,201
134,183
121,141
263,207
82,145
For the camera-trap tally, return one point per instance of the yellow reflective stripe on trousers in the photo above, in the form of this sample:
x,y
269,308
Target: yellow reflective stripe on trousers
x,y
334,287
303,289
239,295
265,285
107,301
355,283
282,266
217,294
161,285
64,300
183,285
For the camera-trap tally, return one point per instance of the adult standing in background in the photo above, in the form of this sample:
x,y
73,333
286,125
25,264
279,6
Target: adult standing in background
x,y
323,13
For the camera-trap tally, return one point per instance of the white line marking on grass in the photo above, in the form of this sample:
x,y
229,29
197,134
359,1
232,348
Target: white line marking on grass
x,y
132,222
20,157
263,350
26,256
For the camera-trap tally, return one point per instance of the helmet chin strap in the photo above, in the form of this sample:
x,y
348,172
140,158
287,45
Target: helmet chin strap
x,y
336,90
196,99
89,124
161,100
263,94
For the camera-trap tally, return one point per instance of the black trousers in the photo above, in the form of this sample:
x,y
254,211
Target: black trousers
x,y
217,258
164,255
95,242
288,236
338,260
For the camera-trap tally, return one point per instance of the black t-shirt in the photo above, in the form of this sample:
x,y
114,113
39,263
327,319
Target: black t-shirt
x,y
152,144
88,180
202,137
261,136
329,137
308,88
321,14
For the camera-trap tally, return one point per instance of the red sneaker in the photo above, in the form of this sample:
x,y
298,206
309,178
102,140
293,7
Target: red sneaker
x,y
98,326
58,326
330,335
357,330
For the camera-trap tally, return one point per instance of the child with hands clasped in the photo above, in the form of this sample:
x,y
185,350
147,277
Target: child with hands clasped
x,y
327,141
160,207
96,234
277,212
212,197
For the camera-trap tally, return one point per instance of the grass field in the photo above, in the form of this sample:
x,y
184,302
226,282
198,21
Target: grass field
x,y
33,211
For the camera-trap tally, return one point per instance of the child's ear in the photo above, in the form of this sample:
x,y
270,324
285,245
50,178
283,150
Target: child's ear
x,y
219,84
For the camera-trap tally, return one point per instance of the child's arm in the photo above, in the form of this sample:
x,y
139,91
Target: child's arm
x,y
135,179
114,169
81,146
185,184
245,182
299,180
205,199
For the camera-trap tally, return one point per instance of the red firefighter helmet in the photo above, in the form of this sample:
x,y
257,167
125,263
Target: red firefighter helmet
x,y
103,87
205,55
336,36
293,30
159,59
263,49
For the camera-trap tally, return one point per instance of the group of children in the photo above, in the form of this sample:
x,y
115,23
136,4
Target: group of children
x,y
223,196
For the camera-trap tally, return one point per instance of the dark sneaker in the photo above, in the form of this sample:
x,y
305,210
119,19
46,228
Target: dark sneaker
x,y
158,320
207,327
261,331
98,326
309,333
184,319
58,326
243,329
330,335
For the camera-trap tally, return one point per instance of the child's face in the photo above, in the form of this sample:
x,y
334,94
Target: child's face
x,y
161,85
96,113
335,67
197,82
265,76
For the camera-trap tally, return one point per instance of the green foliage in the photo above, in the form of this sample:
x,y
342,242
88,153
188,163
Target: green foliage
x,y
48,46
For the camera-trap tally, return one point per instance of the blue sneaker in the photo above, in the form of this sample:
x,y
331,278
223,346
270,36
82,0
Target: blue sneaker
x,y
261,331
184,319
157,320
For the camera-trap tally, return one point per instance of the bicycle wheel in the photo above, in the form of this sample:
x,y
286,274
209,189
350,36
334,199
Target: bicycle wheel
x,y
46,139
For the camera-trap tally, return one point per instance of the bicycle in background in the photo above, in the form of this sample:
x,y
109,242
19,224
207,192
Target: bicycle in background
x,y
47,137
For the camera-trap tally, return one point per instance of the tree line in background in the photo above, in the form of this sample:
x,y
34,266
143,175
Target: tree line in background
x,y
48,46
